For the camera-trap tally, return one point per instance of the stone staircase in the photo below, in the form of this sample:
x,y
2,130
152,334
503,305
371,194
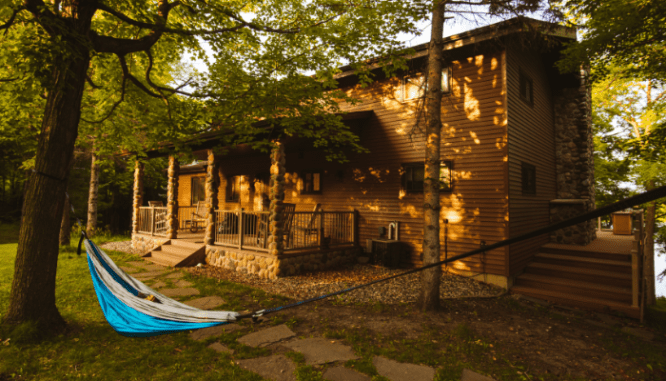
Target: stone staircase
x,y
177,253
572,276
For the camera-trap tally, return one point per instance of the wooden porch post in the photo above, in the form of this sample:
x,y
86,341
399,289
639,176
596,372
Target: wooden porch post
x,y
275,240
138,195
172,198
212,180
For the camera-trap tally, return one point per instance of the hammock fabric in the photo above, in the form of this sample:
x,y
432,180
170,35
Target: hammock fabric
x,y
134,309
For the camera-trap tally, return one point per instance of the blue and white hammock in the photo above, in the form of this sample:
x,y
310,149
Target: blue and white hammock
x,y
123,301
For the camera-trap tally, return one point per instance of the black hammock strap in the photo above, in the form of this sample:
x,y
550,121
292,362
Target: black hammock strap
x,y
642,198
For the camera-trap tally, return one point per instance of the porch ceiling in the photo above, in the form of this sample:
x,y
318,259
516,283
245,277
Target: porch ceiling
x,y
213,139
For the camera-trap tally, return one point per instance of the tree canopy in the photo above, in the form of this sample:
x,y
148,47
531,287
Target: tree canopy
x,y
618,33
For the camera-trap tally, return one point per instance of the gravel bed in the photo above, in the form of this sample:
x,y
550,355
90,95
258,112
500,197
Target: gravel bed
x,y
124,246
403,289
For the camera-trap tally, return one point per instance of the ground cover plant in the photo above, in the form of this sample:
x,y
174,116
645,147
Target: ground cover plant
x,y
505,338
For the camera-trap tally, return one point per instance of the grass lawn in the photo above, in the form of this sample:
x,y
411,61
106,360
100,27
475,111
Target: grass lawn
x,y
504,338
93,350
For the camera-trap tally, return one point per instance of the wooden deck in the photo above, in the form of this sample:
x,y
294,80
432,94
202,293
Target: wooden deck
x,y
596,277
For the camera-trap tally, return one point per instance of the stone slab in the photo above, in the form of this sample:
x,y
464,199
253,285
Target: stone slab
x,y
319,351
182,283
153,267
398,371
206,303
129,269
205,333
141,264
340,373
148,275
175,275
158,284
276,368
468,375
267,336
218,347
171,292
639,332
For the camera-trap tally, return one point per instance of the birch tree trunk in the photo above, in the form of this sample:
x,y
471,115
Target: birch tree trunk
x,y
648,251
430,278
91,224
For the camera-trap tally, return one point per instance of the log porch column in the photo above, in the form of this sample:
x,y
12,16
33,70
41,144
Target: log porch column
x,y
172,198
138,195
275,240
212,180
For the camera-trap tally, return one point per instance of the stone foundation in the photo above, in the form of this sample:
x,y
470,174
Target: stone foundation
x,y
268,266
142,244
581,234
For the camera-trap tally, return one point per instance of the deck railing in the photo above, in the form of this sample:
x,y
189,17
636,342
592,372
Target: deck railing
x,y
250,230
152,220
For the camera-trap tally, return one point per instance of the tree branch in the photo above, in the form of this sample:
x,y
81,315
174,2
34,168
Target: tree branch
x,y
115,105
91,83
9,22
133,79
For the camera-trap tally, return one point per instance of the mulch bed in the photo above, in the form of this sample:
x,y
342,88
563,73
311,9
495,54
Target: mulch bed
x,y
403,289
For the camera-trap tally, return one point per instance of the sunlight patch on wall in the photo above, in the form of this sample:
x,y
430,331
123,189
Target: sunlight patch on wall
x,y
411,210
475,137
358,175
471,104
493,63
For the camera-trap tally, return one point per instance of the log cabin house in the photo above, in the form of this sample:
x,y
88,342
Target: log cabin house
x,y
516,155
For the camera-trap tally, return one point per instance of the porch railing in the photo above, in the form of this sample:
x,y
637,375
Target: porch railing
x,y
241,229
152,220
250,230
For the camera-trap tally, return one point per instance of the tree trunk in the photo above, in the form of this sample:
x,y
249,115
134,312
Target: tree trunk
x,y
429,298
65,226
648,251
91,224
33,287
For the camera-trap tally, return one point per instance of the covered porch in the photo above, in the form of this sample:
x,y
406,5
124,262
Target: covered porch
x,y
281,239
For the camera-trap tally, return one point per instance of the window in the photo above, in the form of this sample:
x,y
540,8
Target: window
x,y
445,176
414,175
526,88
412,86
528,178
311,182
233,188
198,190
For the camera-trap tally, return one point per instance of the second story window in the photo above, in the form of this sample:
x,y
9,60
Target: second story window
x,y
526,88
413,86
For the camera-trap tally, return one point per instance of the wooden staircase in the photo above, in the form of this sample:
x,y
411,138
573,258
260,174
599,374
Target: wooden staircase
x,y
177,253
582,278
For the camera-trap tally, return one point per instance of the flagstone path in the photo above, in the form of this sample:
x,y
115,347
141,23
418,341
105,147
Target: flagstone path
x,y
316,351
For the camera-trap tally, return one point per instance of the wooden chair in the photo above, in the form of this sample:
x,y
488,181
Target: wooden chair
x,y
155,204
311,228
198,217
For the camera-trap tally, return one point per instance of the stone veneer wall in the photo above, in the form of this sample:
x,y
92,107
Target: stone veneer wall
x,y
142,244
268,266
574,156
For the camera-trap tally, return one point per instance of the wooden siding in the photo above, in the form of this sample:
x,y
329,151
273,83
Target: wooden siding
x,y
531,140
473,138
